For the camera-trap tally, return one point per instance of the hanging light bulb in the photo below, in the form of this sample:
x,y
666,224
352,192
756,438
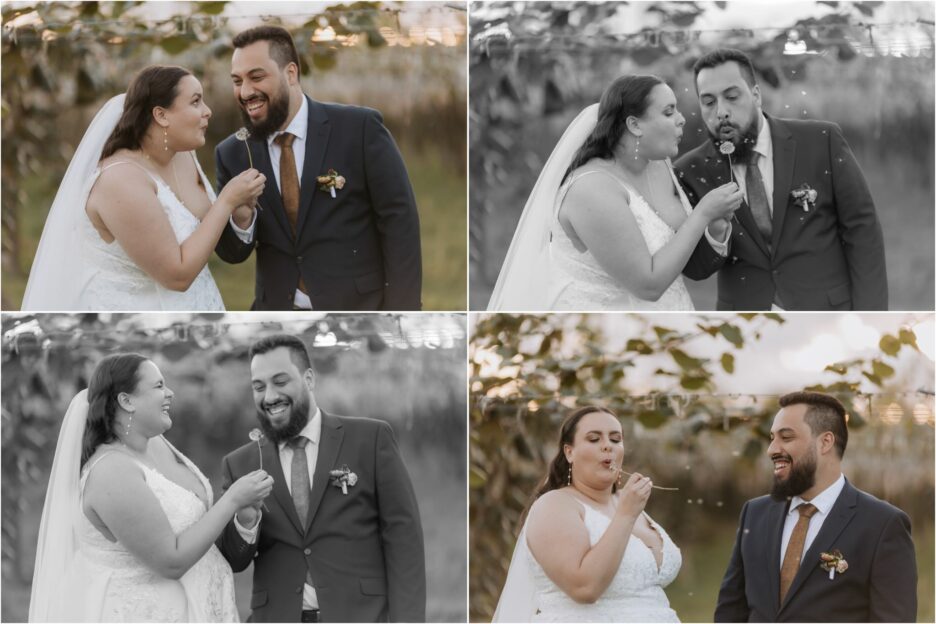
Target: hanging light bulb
x,y
922,414
892,414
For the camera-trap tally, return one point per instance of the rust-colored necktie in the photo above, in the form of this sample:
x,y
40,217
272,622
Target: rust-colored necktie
x,y
289,178
289,185
794,549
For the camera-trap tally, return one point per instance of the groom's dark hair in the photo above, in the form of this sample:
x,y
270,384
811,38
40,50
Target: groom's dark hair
x,y
297,349
282,47
823,413
722,56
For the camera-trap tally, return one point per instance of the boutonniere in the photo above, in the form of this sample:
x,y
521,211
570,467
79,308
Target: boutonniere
x,y
833,562
804,197
331,181
343,478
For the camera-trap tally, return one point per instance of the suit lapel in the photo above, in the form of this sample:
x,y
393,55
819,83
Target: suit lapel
x,y
839,516
271,458
316,142
329,446
784,153
271,199
778,511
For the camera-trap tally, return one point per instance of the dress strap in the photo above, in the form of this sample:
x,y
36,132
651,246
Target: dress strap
x,y
575,178
135,164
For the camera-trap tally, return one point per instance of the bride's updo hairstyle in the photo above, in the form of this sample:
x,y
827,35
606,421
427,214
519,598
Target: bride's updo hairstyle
x,y
156,85
114,374
626,96
557,476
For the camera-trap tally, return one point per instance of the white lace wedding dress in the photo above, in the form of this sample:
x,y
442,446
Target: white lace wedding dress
x,y
580,283
118,587
112,281
635,594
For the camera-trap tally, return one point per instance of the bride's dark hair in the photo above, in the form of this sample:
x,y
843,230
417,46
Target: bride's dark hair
x,y
626,96
557,475
156,85
114,374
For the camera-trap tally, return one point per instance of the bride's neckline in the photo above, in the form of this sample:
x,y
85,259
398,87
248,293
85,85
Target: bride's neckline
x,y
613,170
650,523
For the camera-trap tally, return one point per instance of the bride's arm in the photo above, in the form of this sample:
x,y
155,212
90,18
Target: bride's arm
x,y
126,202
117,492
559,541
600,213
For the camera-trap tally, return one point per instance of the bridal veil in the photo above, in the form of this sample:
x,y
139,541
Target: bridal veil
x,y
55,279
523,282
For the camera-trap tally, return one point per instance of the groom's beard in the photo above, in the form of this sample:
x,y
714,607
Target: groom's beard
x,y
744,141
298,417
277,113
802,477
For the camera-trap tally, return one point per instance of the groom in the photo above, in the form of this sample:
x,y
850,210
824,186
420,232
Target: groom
x,y
340,539
807,236
339,229
782,568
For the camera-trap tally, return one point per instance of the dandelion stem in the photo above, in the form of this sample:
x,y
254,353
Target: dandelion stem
x,y
655,487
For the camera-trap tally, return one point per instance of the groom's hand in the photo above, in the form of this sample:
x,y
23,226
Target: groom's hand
x,y
248,516
243,216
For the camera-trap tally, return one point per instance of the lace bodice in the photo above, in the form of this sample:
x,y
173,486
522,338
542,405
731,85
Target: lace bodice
x,y
580,282
132,592
634,595
112,280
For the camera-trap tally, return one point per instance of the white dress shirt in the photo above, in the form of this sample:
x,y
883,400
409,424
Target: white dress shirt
x,y
298,127
764,147
312,431
823,503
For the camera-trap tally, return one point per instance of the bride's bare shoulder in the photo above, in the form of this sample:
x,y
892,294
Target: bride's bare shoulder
x,y
555,501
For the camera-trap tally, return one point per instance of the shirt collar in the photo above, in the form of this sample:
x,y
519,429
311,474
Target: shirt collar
x,y
764,145
312,430
298,126
824,500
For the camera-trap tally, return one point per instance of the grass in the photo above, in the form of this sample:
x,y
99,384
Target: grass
x,y
694,592
440,196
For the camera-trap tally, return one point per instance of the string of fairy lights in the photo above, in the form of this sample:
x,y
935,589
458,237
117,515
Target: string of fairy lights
x,y
888,405
430,331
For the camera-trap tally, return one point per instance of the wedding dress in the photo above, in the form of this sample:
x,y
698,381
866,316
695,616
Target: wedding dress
x,y
543,271
634,595
81,576
74,269
580,283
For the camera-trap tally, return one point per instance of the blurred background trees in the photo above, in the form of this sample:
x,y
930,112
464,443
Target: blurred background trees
x,y
867,66
696,396
408,370
63,60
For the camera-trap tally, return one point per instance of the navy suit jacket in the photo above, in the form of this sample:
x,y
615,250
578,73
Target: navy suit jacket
x,y
828,258
874,539
364,549
357,251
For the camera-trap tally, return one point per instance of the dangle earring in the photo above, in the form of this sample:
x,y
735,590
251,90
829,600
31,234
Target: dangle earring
x,y
637,149
129,422
620,481
569,480
166,139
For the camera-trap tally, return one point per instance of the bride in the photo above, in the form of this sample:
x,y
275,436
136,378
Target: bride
x,y
588,552
607,226
135,219
129,523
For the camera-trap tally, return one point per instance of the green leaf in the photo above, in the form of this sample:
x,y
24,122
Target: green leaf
x,y
686,362
638,345
175,44
908,337
872,378
838,369
651,419
732,334
889,344
476,478
727,362
375,39
693,382
747,316
773,316
662,332
881,370
210,8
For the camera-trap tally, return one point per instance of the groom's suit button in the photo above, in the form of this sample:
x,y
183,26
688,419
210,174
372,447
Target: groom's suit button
x,y
307,551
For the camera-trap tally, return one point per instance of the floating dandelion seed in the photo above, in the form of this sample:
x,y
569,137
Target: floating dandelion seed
x,y
802,92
